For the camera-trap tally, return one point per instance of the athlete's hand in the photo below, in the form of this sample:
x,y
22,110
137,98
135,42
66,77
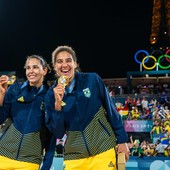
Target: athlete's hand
x,y
58,94
3,84
123,148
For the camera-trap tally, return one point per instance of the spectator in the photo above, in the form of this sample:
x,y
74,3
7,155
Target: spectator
x,y
160,148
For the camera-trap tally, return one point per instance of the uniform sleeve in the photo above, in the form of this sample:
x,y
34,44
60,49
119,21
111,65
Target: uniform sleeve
x,y
54,119
5,109
112,115
50,144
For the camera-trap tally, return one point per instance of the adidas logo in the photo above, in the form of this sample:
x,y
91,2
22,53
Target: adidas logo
x,y
21,99
111,165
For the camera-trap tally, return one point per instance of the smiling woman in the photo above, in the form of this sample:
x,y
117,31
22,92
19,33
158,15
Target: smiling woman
x,y
83,116
23,104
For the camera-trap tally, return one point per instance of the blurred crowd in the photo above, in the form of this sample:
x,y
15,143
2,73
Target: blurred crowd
x,y
136,108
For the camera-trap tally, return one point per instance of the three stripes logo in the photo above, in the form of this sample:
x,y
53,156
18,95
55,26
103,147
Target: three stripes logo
x,y
21,99
111,165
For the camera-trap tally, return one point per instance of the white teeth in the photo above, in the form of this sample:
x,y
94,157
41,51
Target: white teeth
x,y
31,76
64,71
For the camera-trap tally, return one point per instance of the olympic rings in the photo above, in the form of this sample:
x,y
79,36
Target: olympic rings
x,y
149,68
140,51
156,52
167,53
157,61
167,57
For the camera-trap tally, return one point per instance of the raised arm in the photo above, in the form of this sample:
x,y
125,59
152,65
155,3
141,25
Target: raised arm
x,y
3,87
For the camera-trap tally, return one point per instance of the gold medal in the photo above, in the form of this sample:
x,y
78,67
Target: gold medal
x,y
11,80
64,80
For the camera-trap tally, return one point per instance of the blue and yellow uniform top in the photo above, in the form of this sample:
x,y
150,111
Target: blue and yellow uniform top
x,y
89,117
25,138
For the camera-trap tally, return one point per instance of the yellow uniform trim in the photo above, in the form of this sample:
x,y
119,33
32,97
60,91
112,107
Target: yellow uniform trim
x,y
103,161
10,164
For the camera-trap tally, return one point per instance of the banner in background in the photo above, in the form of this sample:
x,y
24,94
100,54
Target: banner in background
x,y
138,125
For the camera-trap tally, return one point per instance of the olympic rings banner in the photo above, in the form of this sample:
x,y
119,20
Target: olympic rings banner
x,y
157,59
